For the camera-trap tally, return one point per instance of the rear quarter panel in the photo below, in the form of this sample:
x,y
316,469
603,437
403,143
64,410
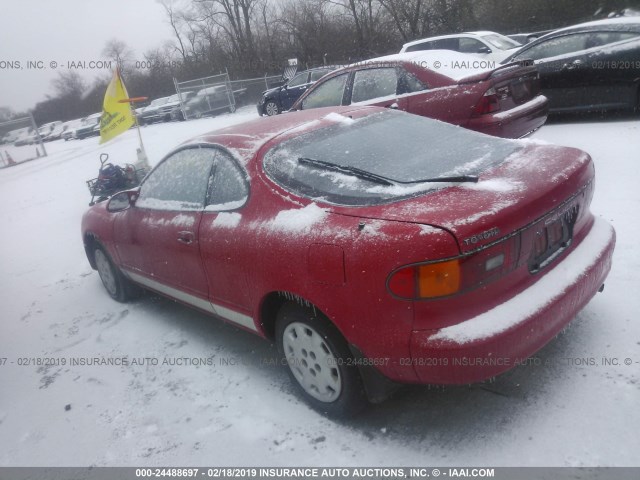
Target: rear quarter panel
x,y
339,263
445,99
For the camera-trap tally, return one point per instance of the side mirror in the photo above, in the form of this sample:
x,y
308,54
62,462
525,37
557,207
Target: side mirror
x,y
484,49
122,200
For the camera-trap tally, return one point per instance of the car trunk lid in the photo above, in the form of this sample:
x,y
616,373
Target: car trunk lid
x,y
508,86
536,185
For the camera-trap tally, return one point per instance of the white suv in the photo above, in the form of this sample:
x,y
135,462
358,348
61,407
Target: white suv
x,y
487,45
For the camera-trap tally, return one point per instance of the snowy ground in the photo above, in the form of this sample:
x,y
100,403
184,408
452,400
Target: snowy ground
x,y
244,412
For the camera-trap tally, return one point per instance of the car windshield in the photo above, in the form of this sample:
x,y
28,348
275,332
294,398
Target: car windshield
x,y
159,101
382,158
501,42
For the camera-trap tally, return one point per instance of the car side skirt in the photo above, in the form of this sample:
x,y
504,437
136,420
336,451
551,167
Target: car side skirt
x,y
226,313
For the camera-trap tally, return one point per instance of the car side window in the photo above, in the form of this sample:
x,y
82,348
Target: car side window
x,y
179,182
447,44
420,47
318,74
326,94
298,80
409,83
599,39
228,188
374,83
470,45
558,46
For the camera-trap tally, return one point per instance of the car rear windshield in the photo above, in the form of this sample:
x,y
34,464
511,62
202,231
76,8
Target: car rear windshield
x,y
381,158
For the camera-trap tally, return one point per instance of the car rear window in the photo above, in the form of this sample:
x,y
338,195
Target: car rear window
x,y
400,148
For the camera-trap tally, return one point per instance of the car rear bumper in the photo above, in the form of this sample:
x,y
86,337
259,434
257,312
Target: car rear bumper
x,y
501,338
515,123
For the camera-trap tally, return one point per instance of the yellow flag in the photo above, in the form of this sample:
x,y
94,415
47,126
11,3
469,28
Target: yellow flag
x,y
116,117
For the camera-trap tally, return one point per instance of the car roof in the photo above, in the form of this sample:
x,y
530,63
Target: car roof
x,y
324,67
453,35
426,58
622,23
482,33
246,139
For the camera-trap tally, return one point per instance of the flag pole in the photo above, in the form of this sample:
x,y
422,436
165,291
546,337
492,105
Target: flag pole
x,y
143,160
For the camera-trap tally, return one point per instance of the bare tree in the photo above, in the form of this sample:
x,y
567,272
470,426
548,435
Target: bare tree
x,y
69,83
174,19
118,51
234,17
6,114
408,17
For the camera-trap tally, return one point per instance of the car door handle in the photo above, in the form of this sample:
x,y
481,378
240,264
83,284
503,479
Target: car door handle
x,y
393,106
186,237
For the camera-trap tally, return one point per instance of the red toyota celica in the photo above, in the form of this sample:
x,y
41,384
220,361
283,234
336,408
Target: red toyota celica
x,y
373,246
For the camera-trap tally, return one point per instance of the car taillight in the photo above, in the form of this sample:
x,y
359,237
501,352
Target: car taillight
x,y
488,103
428,280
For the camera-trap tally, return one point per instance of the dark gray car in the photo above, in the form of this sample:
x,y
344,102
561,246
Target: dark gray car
x,y
280,99
593,66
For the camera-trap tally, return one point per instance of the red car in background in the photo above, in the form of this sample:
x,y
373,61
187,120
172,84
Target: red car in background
x,y
499,100
373,246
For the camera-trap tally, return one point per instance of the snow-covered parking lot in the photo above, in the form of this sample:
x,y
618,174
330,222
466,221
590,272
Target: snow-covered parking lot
x,y
576,404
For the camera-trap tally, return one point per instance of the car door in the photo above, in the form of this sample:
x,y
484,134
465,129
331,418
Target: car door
x,y
157,239
327,93
294,90
562,63
613,69
225,238
377,86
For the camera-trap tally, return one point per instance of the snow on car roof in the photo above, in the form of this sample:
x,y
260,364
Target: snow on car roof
x,y
443,37
602,23
453,64
245,140
483,32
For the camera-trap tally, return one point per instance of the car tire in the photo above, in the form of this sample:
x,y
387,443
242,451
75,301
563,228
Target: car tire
x,y
119,287
319,361
271,108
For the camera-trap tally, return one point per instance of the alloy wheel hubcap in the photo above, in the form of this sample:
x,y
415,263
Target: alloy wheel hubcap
x,y
106,272
272,109
312,362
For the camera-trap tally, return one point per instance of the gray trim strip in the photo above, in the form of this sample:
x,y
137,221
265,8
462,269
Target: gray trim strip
x,y
224,312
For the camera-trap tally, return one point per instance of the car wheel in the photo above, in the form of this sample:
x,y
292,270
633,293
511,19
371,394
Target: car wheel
x,y
319,361
271,108
117,285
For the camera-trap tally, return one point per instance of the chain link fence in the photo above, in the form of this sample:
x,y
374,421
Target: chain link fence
x,y
206,96
248,91
21,140
217,93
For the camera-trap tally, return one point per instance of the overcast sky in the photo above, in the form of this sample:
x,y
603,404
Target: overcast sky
x,y
68,30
